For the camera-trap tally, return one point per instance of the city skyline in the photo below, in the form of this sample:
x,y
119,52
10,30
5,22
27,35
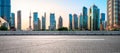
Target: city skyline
x,y
59,7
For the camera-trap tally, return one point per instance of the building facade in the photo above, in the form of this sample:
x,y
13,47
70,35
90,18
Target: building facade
x,y
60,22
52,22
19,24
5,9
113,14
75,22
85,19
70,21
94,18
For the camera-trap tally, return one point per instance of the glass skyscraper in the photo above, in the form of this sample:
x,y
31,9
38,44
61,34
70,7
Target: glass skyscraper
x,y
113,14
12,20
35,21
85,19
70,21
103,20
52,22
94,18
75,22
5,9
81,21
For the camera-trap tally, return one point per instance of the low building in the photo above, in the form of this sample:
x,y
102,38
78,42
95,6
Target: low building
x,y
4,23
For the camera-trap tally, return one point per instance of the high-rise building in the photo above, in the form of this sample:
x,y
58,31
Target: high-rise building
x,y
113,14
39,24
5,9
81,22
44,22
85,19
94,18
35,21
52,22
19,20
60,22
75,22
70,21
102,20
30,27
12,21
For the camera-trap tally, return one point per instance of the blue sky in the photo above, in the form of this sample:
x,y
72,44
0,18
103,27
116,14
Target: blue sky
x,y
59,7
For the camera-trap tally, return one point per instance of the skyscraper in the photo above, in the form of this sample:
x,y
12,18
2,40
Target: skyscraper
x,y
81,22
30,27
35,21
39,24
85,19
103,20
94,18
52,22
5,9
12,21
70,21
19,20
75,22
44,22
113,14
60,22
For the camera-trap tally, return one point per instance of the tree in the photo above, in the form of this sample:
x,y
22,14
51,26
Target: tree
x,y
63,29
3,28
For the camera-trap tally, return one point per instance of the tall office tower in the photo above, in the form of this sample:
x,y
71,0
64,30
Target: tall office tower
x,y
19,20
12,21
5,9
80,22
52,22
75,22
30,27
44,22
35,21
70,21
85,19
39,24
94,18
113,14
60,22
103,20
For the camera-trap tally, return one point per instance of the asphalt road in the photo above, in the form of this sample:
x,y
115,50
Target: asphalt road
x,y
59,44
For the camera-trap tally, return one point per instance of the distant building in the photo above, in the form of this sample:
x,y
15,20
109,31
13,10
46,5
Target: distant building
x,y
70,21
81,22
5,9
94,18
113,14
35,21
19,20
75,22
12,21
52,22
60,22
85,19
102,20
39,24
30,27
44,22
